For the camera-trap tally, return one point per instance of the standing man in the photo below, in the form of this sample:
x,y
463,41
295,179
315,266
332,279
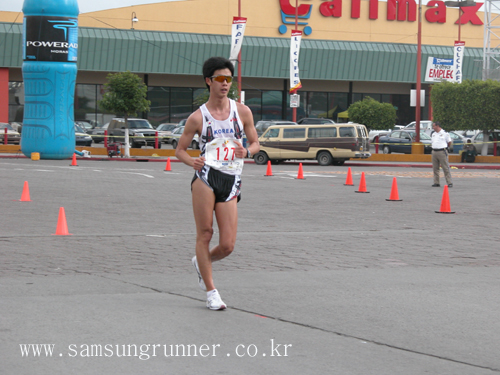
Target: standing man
x,y
440,143
216,186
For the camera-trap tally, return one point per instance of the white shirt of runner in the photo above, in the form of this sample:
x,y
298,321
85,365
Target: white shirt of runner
x,y
220,155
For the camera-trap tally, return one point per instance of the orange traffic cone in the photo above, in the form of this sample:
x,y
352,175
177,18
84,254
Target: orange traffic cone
x,y
348,180
394,191
25,196
445,203
269,172
300,175
73,163
167,167
362,184
62,226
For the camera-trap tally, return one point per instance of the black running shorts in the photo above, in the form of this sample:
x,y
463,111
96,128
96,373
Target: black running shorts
x,y
225,186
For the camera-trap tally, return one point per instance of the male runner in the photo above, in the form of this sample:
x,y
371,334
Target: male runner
x,y
216,186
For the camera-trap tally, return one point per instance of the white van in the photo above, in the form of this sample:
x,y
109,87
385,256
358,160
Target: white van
x,y
326,143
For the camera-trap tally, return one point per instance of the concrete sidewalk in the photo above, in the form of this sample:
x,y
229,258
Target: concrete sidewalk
x,y
322,280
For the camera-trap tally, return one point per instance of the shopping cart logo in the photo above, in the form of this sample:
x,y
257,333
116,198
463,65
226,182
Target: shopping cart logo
x,y
288,16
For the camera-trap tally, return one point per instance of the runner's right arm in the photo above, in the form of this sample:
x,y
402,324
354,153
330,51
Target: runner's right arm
x,y
194,125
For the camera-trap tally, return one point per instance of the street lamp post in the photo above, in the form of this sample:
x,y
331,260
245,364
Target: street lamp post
x,y
459,5
419,72
134,19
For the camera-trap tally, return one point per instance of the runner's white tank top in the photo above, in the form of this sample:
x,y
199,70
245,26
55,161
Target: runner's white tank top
x,y
230,128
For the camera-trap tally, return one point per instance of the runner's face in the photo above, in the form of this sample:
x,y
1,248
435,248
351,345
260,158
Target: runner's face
x,y
219,88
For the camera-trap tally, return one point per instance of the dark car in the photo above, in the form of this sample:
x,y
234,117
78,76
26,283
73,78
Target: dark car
x,y
97,133
458,142
141,132
314,121
401,140
82,138
85,125
262,125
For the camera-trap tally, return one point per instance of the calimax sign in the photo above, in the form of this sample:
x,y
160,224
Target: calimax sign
x,y
397,10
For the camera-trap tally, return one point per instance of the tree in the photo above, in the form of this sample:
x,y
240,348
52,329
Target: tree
x,y
125,94
470,105
203,97
373,114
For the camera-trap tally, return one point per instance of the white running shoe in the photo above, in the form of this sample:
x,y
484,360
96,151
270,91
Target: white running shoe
x,y
214,302
201,283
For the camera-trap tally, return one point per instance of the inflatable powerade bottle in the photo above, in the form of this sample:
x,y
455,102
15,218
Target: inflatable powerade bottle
x,y
49,70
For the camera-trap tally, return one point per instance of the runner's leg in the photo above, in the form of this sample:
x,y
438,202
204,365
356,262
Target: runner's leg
x,y
226,214
203,207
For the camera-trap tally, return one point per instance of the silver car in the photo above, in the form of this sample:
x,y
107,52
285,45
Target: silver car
x,y
478,141
13,137
173,138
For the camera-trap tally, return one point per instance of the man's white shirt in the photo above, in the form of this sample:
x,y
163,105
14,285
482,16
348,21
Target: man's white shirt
x,y
440,139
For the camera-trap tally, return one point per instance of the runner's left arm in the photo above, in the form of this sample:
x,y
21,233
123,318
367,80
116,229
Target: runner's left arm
x,y
253,140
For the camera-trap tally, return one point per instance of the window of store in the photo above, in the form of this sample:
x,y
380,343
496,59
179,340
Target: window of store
x,y
337,103
86,104
16,101
272,105
316,104
159,112
253,99
181,103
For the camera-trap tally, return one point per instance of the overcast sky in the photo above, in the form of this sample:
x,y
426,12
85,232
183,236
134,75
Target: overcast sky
x,y
84,5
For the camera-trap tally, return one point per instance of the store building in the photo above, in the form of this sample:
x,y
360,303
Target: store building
x,y
350,49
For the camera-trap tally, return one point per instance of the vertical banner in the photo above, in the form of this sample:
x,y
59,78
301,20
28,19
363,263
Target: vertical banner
x,y
294,61
458,58
238,32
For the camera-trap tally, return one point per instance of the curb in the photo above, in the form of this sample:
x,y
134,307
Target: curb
x,y
349,164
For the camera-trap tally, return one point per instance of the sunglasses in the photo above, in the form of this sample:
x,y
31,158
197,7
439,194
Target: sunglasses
x,y
221,79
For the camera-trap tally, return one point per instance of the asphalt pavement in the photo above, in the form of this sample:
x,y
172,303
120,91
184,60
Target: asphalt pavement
x,y
322,279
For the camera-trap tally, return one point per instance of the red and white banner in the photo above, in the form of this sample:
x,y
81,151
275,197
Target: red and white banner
x,y
439,69
458,60
238,32
294,61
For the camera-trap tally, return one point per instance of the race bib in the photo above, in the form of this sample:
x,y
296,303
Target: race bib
x,y
219,154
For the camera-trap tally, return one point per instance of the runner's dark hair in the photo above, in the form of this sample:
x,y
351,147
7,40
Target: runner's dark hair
x,y
216,63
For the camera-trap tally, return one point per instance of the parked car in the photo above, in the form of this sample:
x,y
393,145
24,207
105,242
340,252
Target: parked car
x,y
377,133
374,133
458,141
141,132
262,125
478,141
85,125
97,133
467,133
401,140
82,138
173,138
315,121
13,136
425,126
328,144
165,130
17,126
